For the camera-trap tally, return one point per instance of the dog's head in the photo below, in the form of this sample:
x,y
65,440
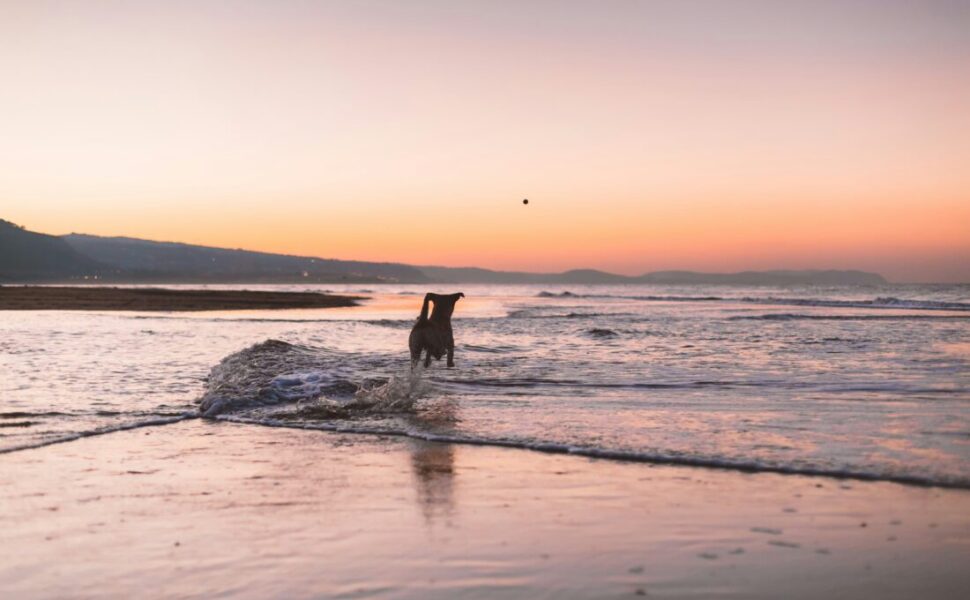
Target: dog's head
x,y
451,298
444,304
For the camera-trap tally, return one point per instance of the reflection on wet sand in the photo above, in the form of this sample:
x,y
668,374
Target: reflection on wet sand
x,y
433,465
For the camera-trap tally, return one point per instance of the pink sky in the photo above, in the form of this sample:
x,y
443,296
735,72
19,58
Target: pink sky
x,y
713,136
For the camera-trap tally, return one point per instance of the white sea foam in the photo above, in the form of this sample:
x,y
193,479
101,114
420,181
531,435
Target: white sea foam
x,y
400,392
750,465
880,302
77,435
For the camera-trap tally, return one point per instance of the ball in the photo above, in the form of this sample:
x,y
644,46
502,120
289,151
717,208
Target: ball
x,y
526,201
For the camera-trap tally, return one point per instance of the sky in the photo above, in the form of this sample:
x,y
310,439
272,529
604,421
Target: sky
x,y
713,136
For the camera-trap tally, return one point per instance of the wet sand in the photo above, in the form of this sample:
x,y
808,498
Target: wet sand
x,y
202,508
157,299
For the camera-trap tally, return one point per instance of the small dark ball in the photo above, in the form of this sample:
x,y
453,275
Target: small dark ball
x,y
526,201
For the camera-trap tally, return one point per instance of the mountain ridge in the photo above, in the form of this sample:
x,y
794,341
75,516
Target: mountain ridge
x,y
177,261
27,256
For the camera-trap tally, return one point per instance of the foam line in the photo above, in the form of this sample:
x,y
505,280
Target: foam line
x,y
641,457
883,302
102,431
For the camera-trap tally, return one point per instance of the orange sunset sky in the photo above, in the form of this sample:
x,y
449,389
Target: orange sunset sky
x,y
714,136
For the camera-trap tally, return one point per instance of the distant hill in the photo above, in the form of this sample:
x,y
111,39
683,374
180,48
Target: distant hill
x,y
145,260
591,276
478,275
26,256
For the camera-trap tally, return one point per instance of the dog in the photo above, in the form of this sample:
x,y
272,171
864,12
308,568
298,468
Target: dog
x,y
433,334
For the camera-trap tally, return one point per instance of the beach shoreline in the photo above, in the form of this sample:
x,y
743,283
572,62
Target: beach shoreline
x,y
202,508
99,298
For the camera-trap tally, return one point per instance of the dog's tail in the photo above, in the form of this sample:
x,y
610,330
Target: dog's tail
x,y
424,309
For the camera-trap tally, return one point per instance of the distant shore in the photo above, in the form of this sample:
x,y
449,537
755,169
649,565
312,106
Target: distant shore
x,y
157,299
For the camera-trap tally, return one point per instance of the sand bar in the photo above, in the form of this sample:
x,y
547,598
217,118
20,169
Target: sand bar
x,y
205,509
159,299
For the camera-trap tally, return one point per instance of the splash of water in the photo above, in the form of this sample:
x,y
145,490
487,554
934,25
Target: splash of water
x,y
399,393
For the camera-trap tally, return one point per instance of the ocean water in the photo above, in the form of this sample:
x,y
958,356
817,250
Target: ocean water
x,y
861,382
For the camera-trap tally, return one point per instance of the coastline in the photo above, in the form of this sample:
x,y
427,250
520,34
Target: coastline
x,y
160,299
203,508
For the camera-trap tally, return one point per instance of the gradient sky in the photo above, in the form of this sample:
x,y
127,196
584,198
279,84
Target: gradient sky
x,y
712,136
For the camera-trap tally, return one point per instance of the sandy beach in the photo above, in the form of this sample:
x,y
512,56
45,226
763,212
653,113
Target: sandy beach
x,y
158,299
204,508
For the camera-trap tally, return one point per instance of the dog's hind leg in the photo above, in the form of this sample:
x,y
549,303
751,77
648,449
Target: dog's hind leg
x,y
415,347
427,359
449,342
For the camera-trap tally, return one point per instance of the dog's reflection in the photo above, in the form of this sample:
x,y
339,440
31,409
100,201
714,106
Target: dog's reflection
x,y
433,466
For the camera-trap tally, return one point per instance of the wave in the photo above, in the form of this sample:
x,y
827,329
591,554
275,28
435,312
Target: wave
x,y
392,323
644,298
319,380
881,302
884,302
531,382
44,414
529,313
195,317
801,386
726,463
77,435
678,298
272,372
602,334
19,414
807,317
397,394
543,382
494,349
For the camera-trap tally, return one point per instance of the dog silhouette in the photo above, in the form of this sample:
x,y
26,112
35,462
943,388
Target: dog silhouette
x,y
433,334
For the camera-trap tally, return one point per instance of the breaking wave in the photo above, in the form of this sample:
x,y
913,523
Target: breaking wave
x,y
680,459
881,302
601,334
530,313
77,435
807,317
318,381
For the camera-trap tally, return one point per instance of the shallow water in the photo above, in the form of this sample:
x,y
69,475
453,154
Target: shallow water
x,y
866,382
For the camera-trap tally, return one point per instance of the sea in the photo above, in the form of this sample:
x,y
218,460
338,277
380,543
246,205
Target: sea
x,y
852,382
